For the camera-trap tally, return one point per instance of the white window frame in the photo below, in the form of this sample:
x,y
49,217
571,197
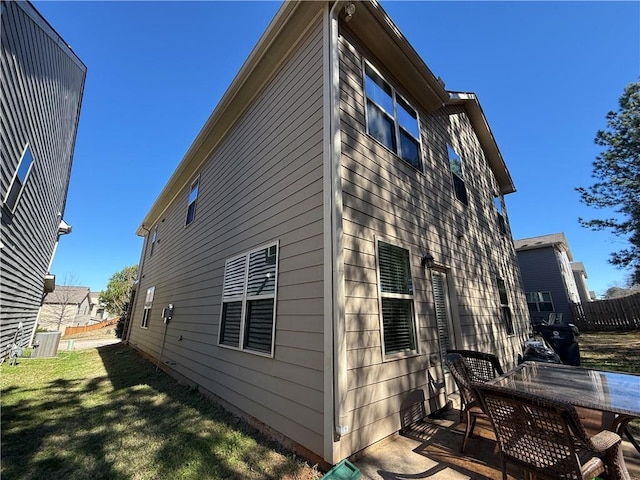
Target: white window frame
x,y
234,292
539,299
394,116
460,177
148,303
505,310
23,181
413,329
195,185
154,238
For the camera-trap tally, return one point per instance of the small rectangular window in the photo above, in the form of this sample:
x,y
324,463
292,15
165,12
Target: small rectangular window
x,y
396,299
19,180
193,200
455,163
248,301
154,236
390,118
504,306
148,302
502,222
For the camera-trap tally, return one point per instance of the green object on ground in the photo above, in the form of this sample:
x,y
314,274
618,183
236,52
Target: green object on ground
x,y
345,470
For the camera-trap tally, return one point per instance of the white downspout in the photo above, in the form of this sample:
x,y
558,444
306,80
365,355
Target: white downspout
x,y
335,363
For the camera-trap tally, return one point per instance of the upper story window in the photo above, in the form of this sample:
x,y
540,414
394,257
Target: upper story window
x,y
539,302
455,163
19,180
390,118
154,237
193,200
502,221
396,299
249,300
148,303
504,306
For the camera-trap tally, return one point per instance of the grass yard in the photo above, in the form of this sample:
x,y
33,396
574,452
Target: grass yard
x,y
107,414
617,351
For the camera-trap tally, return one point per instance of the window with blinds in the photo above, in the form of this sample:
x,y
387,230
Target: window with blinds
x,y
396,299
248,301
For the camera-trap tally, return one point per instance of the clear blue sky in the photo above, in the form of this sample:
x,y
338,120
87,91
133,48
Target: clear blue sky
x,y
546,74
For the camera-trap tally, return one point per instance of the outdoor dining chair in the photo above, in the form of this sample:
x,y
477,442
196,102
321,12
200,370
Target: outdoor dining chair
x,y
469,403
546,438
485,366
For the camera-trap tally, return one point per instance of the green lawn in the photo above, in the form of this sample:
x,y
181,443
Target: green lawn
x,y
617,351
107,414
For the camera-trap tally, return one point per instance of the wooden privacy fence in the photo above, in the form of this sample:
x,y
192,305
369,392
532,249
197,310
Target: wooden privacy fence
x,y
88,328
608,315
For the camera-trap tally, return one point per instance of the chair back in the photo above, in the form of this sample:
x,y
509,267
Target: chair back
x,y
536,434
485,366
463,376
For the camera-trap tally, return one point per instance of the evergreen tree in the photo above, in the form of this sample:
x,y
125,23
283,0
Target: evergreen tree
x,y
617,173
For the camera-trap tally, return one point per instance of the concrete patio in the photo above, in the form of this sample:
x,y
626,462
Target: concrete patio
x,y
431,450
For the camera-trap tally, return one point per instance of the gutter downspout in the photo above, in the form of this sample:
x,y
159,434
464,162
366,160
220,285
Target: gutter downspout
x,y
335,363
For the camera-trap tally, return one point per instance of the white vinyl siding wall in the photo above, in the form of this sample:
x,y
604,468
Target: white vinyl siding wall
x,y
384,196
263,184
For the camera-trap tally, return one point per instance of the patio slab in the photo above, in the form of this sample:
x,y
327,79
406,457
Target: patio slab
x,y
431,450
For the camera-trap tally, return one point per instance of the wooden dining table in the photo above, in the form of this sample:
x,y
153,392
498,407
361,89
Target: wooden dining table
x,y
613,392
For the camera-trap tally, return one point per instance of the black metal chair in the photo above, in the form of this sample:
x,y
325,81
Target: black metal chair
x,y
546,438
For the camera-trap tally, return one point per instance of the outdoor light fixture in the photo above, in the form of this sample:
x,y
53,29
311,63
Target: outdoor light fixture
x,y
428,261
349,10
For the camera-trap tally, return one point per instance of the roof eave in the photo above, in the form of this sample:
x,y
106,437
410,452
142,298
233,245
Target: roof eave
x,y
486,138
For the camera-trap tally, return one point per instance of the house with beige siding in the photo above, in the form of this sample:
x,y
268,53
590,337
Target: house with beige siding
x,y
336,225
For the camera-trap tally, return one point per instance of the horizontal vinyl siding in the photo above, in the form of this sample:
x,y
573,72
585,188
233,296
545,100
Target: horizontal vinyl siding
x,y
263,184
41,88
386,198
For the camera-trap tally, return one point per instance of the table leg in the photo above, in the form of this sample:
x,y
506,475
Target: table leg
x,y
620,425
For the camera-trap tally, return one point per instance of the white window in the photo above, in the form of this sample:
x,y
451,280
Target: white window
x,y
19,180
154,237
539,302
193,200
455,163
502,221
396,299
390,118
504,306
148,302
247,320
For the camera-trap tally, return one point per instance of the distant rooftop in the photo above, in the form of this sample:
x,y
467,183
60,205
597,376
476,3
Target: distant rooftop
x,y
557,240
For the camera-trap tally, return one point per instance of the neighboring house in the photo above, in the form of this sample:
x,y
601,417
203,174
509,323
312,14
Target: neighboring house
x,y
40,95
337,224
580,277
66,306
98,312
548,276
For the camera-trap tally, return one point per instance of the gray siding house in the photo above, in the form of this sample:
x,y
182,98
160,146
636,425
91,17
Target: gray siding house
x,y
548,276
337,224
40,96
